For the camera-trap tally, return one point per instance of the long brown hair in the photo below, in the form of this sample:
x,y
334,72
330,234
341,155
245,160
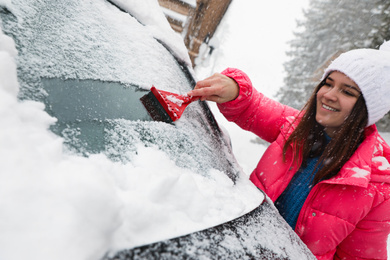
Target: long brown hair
x,y
309,140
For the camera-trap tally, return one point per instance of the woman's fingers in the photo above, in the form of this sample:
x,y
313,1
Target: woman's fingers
x,y
205,91
217,88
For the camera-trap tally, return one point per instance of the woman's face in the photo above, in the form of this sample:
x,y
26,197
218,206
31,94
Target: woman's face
x,y
335,101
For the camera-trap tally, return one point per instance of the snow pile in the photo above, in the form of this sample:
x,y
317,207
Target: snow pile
x,y
42,190
60,206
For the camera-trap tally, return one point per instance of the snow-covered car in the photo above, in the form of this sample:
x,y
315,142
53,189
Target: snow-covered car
x,y
87,174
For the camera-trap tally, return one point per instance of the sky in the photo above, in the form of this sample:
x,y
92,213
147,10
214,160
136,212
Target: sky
x,y
253,37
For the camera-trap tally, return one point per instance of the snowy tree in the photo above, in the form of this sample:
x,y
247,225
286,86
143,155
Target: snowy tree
x,y
329,28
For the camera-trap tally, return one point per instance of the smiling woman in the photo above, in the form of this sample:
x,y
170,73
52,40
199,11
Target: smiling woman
x,y
322,167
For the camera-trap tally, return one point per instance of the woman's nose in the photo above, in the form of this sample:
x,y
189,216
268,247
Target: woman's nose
x,y
332,93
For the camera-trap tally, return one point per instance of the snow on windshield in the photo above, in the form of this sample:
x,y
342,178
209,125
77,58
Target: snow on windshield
x,y
149,14
114,38
56,205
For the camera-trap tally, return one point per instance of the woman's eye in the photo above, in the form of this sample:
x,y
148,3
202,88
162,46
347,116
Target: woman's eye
x,y
348,93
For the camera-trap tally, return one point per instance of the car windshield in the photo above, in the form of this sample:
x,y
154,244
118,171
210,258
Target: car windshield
x,y
86,109
89,62
95,116
93,87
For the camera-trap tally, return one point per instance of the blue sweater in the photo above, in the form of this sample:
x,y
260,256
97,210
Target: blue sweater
x,y
290,202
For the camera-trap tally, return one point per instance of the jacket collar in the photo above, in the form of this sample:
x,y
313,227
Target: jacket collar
x,y
370,162
362,167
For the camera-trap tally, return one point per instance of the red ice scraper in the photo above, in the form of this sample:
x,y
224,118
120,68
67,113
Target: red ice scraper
x,y
166,106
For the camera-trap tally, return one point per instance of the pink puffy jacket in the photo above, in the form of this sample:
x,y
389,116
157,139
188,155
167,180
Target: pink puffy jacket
x,y
345,217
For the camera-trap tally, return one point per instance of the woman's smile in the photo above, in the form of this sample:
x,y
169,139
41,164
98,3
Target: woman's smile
x,y
326,107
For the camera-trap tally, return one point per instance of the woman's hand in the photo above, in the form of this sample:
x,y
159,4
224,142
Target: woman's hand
x,y
218,88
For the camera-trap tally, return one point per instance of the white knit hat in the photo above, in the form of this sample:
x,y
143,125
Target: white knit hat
x,y
370,70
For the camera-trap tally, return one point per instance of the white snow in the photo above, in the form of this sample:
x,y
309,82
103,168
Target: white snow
x,y
190,2
56,205
360,173
79,208
148,12
175,100
384,163
179,17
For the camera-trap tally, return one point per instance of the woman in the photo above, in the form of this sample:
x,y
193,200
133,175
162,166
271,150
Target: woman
x,y
327,168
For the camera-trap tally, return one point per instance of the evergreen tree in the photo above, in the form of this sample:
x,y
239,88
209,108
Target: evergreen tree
x,y
384,34
329,28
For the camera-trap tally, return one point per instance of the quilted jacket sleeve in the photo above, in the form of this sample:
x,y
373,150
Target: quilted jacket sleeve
x,y
253,111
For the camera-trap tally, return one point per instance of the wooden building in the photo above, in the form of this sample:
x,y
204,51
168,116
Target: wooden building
x,y
195,20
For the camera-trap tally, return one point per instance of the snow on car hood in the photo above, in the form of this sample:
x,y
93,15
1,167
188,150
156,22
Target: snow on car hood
x,y
56,205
